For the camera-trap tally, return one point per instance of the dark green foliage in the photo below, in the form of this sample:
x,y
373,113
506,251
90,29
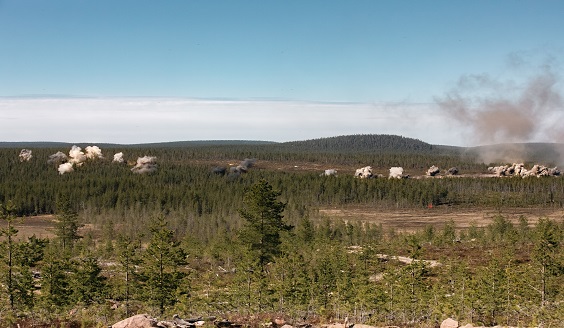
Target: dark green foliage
x,y
325,268
67,224
361,143
160,275
55,279
88,285
264,222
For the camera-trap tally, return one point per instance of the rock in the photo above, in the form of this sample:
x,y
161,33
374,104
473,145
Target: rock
x,y
359,325
136,321
449,323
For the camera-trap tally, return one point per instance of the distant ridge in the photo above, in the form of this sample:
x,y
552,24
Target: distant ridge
x,y
361,143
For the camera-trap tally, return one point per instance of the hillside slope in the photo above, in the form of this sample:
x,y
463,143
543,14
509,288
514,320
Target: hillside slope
x,y
361,143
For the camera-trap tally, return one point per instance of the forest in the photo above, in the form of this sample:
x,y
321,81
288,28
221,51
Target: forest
x,y
234,230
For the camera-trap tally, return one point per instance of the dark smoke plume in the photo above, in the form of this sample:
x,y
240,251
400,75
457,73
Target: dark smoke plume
x,y
244,166
219,170
57,158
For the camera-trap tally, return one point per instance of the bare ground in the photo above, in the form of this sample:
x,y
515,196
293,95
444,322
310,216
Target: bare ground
x,y
415,219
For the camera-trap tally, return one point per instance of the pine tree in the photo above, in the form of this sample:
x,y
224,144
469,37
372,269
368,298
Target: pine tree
x,y
7,213
263,214
66,228
545,254
160,274
128,258
87,283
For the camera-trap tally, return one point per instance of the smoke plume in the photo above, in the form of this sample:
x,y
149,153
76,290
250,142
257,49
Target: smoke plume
x,y
243,167
145,164
433,170
508,111
57,158
219,170
329,172
76,155
93,152
518,169
364,173
65,168
396,173
118,157
25,155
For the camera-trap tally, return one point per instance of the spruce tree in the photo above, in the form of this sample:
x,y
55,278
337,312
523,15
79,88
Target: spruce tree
x,y
264,222
160,274
67,225
7,213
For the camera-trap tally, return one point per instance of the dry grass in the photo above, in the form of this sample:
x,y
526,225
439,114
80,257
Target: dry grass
x,y
409,220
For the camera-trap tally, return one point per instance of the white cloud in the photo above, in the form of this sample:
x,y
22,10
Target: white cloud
x,y
141,120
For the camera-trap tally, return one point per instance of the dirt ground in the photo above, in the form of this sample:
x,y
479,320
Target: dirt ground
x,y
415,219
401,220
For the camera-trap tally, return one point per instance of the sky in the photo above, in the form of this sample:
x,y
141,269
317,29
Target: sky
x,y
445,72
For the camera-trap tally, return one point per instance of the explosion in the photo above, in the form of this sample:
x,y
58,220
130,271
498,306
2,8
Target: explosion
x,y
65,168
57,158
433,170
118,158
93,152
25,155
518,169
76,155
364,173
329,172
145,164
396,173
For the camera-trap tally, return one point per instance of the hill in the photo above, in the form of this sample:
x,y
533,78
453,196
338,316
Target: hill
x,y
361,143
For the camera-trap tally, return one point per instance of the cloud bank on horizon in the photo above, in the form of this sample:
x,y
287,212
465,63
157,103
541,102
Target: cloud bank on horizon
x,y
143,120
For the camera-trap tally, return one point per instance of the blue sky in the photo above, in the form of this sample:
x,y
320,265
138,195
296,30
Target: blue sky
x,y
398,58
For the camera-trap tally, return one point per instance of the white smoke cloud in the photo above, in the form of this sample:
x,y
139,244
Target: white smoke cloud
x,y
76,155
518,169
329,172
145,164
94,152
364,173
118,157
65,168
396,173
25,155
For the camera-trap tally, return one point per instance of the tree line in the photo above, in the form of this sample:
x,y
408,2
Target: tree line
x,y
184,239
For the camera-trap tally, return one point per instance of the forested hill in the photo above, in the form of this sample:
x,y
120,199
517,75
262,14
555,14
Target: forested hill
x,y
362,143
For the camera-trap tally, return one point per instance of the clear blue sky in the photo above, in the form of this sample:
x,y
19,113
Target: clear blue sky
x,y
382,52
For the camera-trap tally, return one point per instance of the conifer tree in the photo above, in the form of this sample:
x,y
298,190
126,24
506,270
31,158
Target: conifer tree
x,y
7,213
160,274
66,228
88,284
546,254
128,258
264,221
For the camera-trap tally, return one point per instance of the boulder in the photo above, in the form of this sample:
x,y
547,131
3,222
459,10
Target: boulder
x,y
137,321
449,323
